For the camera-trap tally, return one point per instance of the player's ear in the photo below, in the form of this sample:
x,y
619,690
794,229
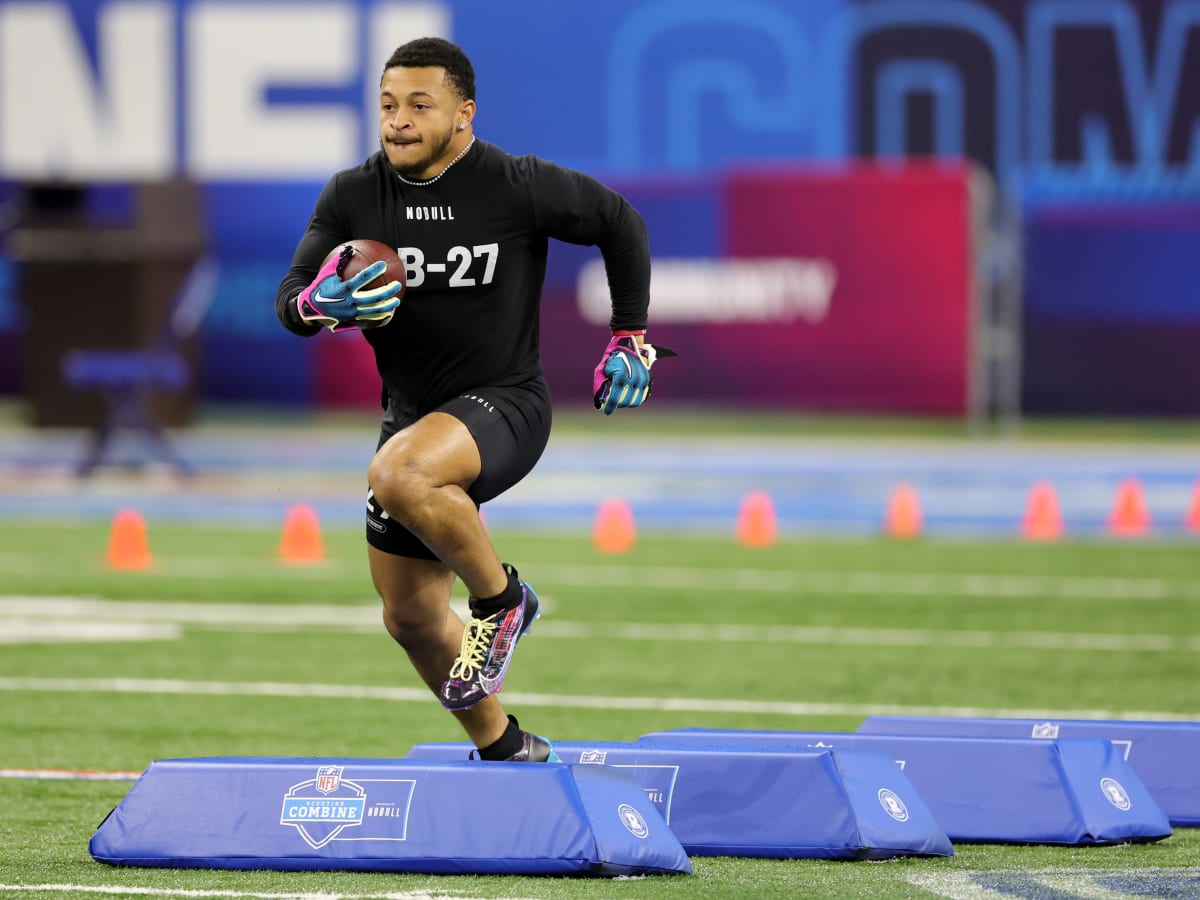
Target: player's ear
x,y
466,113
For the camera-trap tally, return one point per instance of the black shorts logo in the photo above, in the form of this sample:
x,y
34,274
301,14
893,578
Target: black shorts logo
x,y
376,515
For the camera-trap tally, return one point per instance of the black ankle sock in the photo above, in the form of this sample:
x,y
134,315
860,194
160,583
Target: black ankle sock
x,y
508,745
509,598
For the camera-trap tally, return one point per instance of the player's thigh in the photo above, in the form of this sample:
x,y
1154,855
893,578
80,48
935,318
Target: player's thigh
x,y
510,426
436,450
415,592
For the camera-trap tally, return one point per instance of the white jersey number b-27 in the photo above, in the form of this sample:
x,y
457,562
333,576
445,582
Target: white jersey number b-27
x,y
463,264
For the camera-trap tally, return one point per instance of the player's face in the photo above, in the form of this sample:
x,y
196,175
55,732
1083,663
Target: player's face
x,y
419,117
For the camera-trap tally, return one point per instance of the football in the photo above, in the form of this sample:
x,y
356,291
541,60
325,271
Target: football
x,y
356,255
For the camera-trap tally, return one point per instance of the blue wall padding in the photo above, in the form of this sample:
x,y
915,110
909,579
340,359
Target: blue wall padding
x,y
988,790
1165,755
851,804
388,815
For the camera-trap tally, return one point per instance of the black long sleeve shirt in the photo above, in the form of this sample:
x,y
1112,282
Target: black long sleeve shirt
x,y
475,243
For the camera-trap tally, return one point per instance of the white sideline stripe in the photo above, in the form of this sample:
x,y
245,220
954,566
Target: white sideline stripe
x,y
568,701
117,890
935,585
61,615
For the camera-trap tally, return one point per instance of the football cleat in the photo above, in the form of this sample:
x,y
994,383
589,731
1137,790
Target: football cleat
x,y
487,649
534,748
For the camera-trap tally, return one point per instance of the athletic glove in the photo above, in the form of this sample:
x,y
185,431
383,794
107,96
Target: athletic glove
x,y
341,305
622,378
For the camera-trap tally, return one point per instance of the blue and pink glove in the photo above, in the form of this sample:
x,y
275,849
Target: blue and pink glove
x,y
342,305
622,377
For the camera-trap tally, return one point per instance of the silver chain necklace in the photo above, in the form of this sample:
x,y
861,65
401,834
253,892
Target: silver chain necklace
x,y
461,154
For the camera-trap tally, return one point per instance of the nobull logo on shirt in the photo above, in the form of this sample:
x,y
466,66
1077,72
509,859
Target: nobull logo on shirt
x,y
429,213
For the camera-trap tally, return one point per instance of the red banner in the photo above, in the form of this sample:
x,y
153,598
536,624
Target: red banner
x,y
894,335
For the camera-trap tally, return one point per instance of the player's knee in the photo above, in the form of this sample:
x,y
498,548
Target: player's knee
x,y
399,481
408,629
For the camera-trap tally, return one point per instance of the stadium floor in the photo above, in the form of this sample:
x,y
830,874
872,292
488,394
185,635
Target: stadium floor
x,y
823,484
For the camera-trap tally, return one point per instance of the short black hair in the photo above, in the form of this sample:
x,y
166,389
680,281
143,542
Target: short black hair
x,y
431,52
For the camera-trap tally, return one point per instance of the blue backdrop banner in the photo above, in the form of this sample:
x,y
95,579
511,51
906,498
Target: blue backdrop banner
x,y
259,103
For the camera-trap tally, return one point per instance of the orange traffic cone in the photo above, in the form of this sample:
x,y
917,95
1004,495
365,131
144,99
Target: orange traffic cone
x,y
1192,522
1129,517
1043,520
300,542
903,518
757,525
614,531
128,548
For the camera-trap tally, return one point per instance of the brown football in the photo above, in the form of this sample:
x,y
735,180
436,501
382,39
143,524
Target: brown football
x,y
358,254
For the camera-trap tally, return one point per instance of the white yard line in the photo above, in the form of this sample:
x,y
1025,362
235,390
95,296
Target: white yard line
x,y
569,701
365,616
45,619
1082,883
43,630
870,637
67,775
953,885
919,584
968,585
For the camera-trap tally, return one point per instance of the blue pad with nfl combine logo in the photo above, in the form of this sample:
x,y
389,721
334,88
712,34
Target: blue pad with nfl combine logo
x,y
1165,755
985,790
376,815
825,804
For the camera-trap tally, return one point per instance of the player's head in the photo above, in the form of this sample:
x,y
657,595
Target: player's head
x,y
437,53
426,105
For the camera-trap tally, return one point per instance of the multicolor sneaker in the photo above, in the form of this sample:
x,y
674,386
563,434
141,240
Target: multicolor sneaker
x,y
487,649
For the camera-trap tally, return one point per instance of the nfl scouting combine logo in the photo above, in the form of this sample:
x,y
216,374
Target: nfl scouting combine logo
x,y
321,807
1115,794
893,805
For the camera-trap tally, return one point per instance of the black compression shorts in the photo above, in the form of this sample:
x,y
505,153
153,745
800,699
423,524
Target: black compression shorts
x,y
511,426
